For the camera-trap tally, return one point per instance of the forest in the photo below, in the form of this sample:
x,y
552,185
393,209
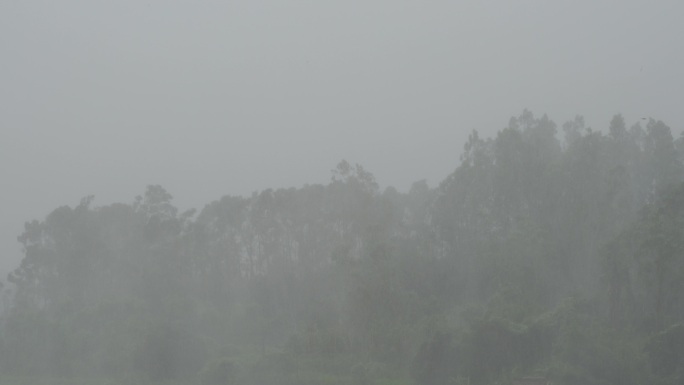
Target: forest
x,y
553,252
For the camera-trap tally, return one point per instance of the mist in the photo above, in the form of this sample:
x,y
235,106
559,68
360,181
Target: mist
x,y
403,181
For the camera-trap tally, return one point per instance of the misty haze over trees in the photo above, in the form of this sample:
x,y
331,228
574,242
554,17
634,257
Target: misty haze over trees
x,y
555,252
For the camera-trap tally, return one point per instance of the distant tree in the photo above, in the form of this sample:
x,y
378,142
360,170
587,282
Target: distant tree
x,y
573,129
663,167
617,129
645,263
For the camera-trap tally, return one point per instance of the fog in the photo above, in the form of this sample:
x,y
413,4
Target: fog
x,y
104,98
217,99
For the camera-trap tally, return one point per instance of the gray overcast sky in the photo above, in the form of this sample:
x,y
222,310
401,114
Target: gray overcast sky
x,y
209,98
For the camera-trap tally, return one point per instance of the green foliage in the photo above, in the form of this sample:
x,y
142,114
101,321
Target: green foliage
x,y
535,256
584,348
437,360
168,351
34,344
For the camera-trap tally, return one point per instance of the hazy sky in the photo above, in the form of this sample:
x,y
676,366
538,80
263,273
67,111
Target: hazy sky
x,y
209,98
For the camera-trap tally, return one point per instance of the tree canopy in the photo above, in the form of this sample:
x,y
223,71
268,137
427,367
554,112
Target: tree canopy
x,y
560,258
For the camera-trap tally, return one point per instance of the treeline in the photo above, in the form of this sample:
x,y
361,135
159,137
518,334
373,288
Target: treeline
x,y
561,258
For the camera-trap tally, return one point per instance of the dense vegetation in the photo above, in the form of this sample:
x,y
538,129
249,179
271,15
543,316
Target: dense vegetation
x,y
561,258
